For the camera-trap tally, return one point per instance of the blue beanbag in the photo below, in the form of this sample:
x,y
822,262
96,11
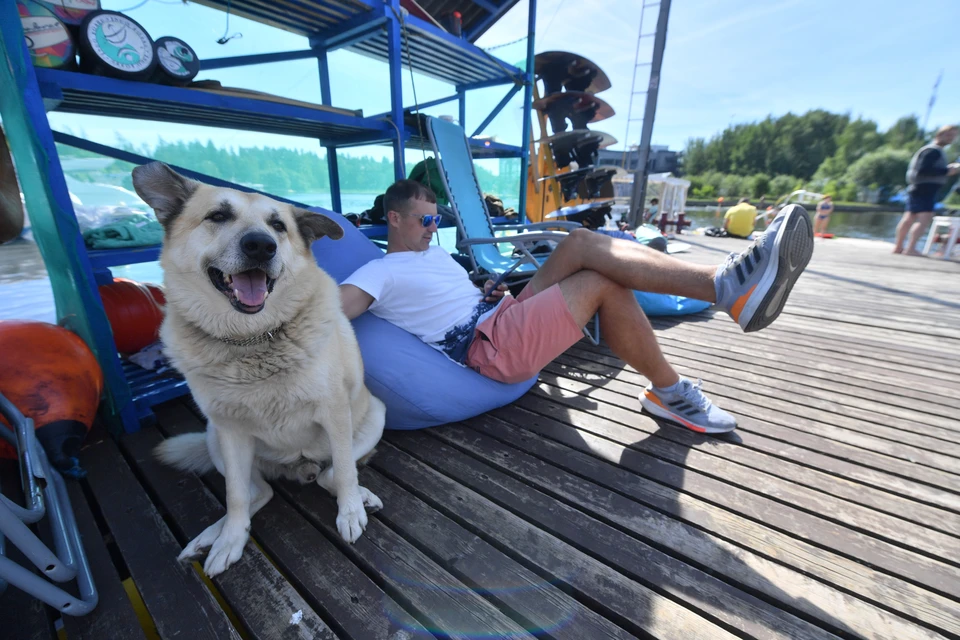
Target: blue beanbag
x,y
420,386
663,304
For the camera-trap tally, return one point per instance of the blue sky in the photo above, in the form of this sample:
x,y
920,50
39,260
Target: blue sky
x,y
726,61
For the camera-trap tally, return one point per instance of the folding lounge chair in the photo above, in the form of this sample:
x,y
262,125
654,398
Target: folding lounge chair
x,y
476,238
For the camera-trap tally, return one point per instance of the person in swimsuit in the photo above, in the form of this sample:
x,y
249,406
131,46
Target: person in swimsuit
x,y
824,209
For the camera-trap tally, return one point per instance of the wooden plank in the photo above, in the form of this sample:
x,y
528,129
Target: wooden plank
x,y
601,587
534,600
173,593
903,562
611,465
924,463
802,441
790,405
883,403
439,599
783,466
699,336
632,556
258,594
114,615
22,617
352,603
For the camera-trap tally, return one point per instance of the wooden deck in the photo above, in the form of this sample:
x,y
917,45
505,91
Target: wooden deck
x,y
833,511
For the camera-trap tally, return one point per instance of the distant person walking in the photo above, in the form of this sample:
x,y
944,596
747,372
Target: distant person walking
x,y
926,175
824,209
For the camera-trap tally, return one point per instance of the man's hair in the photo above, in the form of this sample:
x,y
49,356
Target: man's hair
x,y
744,200
652,200
400,193
947,128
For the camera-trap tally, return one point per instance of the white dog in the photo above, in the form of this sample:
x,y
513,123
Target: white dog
x,y
257,329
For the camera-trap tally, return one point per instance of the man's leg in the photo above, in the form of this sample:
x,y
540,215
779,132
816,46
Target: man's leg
x,y
627,263
752,286
628,333
902,228
919,227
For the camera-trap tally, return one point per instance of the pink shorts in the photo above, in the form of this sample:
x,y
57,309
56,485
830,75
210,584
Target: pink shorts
x,y
522,336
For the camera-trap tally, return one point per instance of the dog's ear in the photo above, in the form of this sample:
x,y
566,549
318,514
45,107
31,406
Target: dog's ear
x,y
313,226
163,189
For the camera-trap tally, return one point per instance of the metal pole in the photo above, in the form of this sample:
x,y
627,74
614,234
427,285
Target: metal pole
x,y
527,118
643,153
395,46
332,169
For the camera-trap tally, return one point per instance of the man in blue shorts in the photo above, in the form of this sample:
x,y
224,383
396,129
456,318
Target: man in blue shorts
x,y
926,175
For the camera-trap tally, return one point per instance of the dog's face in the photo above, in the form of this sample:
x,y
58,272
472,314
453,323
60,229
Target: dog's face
x,y
227,250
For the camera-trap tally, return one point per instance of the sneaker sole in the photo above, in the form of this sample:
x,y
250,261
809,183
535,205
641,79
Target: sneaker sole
x,y
794,244
654,407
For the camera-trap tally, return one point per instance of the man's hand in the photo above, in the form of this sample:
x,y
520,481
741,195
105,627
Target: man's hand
x,y
953,168
494,296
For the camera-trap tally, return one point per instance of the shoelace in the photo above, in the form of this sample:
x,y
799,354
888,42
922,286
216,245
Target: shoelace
x,y
736,258
692,393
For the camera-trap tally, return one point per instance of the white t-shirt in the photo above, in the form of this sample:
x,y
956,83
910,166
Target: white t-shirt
x,y
426,293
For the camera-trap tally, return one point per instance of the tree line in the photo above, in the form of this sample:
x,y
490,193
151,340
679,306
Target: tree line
x,y
851,159
275,170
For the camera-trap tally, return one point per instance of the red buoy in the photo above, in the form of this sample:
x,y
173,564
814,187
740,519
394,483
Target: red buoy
x,y
133,313
52,377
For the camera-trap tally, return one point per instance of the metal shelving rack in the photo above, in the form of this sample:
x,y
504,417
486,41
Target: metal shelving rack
x,y
378,29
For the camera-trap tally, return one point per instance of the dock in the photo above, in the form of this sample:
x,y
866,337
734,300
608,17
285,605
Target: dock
x,y
833,511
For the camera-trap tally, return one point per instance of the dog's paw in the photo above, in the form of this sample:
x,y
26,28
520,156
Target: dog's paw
x,y
370,500
198,546
352,517
226,550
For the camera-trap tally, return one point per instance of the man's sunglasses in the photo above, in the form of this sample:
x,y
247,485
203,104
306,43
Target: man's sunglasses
x,y
425,220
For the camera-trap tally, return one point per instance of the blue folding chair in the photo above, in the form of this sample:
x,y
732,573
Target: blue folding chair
x,y
476,238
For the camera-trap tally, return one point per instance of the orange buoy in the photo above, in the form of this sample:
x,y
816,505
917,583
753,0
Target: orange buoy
x,y
52,377
133,313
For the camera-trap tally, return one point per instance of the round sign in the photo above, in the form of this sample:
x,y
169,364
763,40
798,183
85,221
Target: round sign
x,y
72,12
47,37
113,44
177,62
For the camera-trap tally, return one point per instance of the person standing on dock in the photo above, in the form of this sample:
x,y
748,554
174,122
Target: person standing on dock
x,y
926,175
824,210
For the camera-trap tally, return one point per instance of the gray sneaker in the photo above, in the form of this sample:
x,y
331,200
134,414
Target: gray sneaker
x,y
753,286
687,406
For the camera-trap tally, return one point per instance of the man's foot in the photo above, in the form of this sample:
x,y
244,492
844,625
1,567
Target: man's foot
x,y
685,404
753,286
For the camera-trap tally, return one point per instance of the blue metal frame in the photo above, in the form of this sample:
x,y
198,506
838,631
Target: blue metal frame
x,y
395,44
48,200
333,169
496,110
260,58
28,93
527,116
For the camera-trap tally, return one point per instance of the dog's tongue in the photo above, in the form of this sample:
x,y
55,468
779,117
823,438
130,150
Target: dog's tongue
x,y
250,287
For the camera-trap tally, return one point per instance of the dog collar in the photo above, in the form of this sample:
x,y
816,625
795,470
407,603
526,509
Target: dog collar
x,y
266,336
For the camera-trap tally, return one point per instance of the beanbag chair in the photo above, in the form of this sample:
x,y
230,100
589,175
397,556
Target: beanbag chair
x,y
420,386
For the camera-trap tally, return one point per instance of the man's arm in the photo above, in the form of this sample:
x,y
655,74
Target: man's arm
x,y
354,300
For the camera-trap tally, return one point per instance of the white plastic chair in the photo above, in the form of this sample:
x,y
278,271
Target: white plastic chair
x,y
952,223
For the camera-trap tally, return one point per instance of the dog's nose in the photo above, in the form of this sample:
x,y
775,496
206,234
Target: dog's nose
x,y
258,246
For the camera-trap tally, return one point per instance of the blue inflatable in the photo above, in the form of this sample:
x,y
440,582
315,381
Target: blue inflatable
x,y
658,304
420,386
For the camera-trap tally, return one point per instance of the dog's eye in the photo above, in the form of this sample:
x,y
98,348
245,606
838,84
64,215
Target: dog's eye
x,y
220,216
278,226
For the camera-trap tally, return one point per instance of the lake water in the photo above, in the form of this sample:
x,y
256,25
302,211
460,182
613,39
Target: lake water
x,y
873,225
25,290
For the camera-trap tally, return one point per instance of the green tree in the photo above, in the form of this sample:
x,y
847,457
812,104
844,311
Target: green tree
x,y
884,169
905,134
759,185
